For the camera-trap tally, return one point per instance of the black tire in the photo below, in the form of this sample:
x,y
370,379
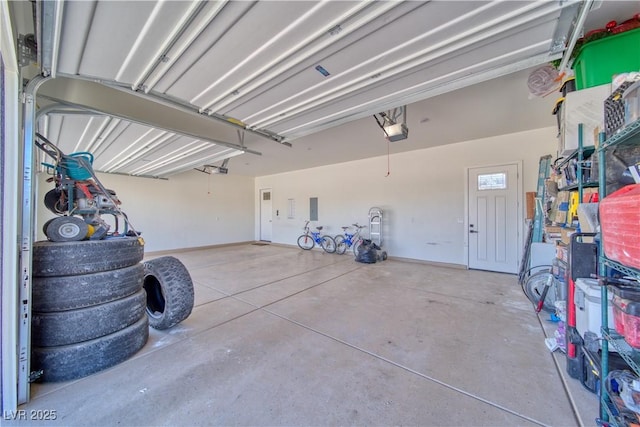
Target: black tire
x,y
62,293
45,225
341,245
84,324
53,201
328,244
306,242
74,361
169,292
384,255
51,259
67,229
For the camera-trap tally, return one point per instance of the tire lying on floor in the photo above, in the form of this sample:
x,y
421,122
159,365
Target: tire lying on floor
x,y
169,292
89,307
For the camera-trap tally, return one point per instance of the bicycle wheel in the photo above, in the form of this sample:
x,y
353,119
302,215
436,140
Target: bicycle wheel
x,y
328,244
534,288
306,242
356,245
341,245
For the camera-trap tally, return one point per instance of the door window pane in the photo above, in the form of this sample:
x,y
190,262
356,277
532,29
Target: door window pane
x,y
492,181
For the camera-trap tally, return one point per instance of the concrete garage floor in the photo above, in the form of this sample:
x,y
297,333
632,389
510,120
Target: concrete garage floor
x,y
281,336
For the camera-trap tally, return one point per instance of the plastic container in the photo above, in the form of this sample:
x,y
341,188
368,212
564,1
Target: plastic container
x,y
619,220
568,85
557,111
623,295
592,365
626,314
614,106
599,60
631,99
75,168
618,318
588,311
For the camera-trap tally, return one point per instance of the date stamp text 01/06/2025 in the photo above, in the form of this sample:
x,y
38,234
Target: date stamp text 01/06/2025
x,y
30,415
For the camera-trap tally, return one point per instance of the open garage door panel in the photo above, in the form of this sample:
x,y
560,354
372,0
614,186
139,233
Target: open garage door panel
x,y
288,68
131,135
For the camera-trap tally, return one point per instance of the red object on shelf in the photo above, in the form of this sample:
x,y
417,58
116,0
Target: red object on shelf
x,y
628,313
620,223
618,316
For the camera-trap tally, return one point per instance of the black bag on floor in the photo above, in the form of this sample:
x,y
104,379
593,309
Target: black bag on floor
x,y
367,252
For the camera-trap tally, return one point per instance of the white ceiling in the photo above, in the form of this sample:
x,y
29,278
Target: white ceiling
x,y
462,67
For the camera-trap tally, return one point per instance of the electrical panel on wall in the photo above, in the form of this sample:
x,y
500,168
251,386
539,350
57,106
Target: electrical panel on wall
x,y
313,209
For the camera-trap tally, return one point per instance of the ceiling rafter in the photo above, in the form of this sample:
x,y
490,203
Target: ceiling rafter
x,y
447,47
302,51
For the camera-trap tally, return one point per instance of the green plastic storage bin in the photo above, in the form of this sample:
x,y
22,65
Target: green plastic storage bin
x,y
600,60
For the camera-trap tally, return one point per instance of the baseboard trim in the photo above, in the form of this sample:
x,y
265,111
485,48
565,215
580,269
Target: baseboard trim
x,y
286,245
197,248
433,263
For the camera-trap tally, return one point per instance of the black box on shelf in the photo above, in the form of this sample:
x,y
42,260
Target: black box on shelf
x,y
614,117
591,364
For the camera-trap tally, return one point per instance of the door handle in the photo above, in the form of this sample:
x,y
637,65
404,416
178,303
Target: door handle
x,y
472,231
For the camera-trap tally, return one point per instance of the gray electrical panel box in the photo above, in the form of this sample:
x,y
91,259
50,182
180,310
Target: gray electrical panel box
x,y
313,209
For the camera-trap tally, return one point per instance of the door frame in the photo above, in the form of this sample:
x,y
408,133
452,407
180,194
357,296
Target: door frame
x,y
519,207
11,207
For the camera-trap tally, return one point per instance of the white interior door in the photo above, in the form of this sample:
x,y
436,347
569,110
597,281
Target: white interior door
x,y
493,218
266,215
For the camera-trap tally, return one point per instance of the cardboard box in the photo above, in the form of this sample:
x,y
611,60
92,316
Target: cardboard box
x,y
567,232
562,252
584,107
531,204
561,205
589,194
552,233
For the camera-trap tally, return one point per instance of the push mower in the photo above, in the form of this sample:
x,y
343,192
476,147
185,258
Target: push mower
x,y
79,199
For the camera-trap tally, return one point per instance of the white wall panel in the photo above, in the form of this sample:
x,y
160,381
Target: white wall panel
x,y
423,198
188,210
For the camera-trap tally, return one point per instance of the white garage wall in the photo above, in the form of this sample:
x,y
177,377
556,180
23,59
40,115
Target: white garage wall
x,y
188,210
422,198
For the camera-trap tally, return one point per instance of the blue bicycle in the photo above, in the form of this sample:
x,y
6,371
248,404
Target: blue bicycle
x,y
343,242
309,239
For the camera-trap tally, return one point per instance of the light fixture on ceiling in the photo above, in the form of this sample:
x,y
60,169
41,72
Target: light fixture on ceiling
x,y
390,125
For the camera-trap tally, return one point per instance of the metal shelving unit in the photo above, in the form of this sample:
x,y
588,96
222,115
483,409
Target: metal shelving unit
x,y
629,135
580,155
577,186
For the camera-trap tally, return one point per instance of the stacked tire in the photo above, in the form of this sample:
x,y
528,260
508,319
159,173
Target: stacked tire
x,y
88,306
